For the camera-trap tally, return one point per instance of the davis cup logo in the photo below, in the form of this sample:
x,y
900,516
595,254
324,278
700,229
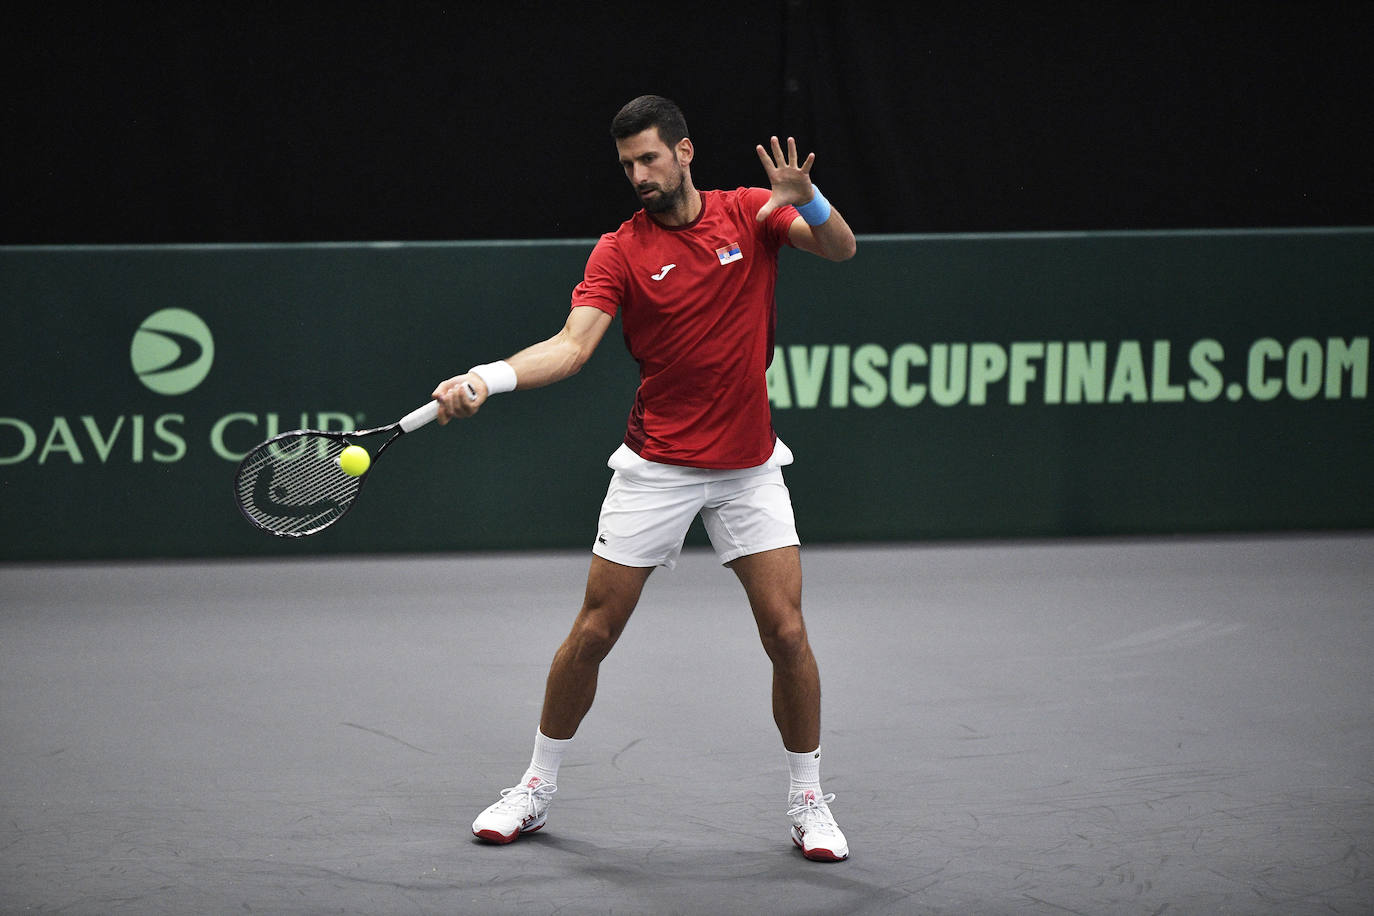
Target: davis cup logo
x,y
172,351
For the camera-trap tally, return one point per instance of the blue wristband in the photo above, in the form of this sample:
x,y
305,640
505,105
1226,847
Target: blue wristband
x,y
816,210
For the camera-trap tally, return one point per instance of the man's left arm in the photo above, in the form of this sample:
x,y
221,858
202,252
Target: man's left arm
x,y
819,228
832,239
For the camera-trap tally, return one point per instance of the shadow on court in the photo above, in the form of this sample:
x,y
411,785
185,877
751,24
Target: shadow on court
x,y
1123,726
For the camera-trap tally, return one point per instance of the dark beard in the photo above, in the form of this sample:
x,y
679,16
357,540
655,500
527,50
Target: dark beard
x,y
666,200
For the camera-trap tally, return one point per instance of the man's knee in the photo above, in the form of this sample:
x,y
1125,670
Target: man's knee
x,y
593,636
784,637
612,593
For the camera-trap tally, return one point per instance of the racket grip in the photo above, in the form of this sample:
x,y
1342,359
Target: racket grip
x,y
420,417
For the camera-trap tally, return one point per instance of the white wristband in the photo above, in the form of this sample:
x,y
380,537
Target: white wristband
x,y
498,376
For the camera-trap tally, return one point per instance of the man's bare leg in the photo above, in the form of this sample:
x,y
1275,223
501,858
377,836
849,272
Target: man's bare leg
x,y
773,582
612,593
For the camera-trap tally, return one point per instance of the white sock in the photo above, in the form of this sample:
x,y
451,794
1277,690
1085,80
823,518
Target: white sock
x,y
548,754
804,771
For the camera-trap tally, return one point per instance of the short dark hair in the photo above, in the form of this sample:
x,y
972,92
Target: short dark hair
x,y
650,111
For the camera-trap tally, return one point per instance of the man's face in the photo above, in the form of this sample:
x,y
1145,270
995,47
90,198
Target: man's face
x,y
655,171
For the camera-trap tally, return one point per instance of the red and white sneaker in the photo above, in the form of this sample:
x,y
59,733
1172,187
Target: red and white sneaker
x,y
814,829
522,809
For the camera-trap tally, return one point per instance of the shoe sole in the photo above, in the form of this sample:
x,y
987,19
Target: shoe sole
x,y
819,854
501,839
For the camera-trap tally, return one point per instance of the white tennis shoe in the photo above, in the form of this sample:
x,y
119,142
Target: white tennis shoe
x,y
522,809
814,829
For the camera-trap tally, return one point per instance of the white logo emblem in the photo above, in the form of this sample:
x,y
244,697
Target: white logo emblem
x,y
172,351
664,272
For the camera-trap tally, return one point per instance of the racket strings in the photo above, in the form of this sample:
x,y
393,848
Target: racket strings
x,y
295,486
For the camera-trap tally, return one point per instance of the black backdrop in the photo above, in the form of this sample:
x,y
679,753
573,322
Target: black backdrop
x,y
236,122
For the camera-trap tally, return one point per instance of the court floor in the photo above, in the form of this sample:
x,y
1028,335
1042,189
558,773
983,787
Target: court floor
x,y
1138,726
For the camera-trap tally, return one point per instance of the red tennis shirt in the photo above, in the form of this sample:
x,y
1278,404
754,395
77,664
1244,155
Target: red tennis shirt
x,y
697,310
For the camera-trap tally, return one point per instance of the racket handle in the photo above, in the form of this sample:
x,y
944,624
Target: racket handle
x,y
420,417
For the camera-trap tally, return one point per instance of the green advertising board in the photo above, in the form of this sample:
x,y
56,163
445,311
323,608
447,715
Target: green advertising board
x,y
932,387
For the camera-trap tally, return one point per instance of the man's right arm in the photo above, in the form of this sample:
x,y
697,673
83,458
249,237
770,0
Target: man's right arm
x,y
544,363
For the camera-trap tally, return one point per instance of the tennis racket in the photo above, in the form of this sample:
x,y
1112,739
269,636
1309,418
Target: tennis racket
x,y
292,485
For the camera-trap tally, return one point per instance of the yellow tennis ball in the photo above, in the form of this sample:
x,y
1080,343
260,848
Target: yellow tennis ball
x,y
354,461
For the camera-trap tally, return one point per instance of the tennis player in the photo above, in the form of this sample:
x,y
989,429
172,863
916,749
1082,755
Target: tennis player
x,y
692,276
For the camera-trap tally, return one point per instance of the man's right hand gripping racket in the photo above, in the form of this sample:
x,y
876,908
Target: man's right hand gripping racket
x,y
292,485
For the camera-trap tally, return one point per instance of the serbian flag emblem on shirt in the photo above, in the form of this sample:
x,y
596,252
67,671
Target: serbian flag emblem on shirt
x,y
730,253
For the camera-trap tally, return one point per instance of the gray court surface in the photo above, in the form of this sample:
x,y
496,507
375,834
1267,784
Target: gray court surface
x,y
1128,726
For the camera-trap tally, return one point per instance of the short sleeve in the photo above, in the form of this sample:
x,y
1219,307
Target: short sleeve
x,y
777,228
603,281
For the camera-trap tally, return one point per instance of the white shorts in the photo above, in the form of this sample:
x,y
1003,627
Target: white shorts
x,y
649,507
